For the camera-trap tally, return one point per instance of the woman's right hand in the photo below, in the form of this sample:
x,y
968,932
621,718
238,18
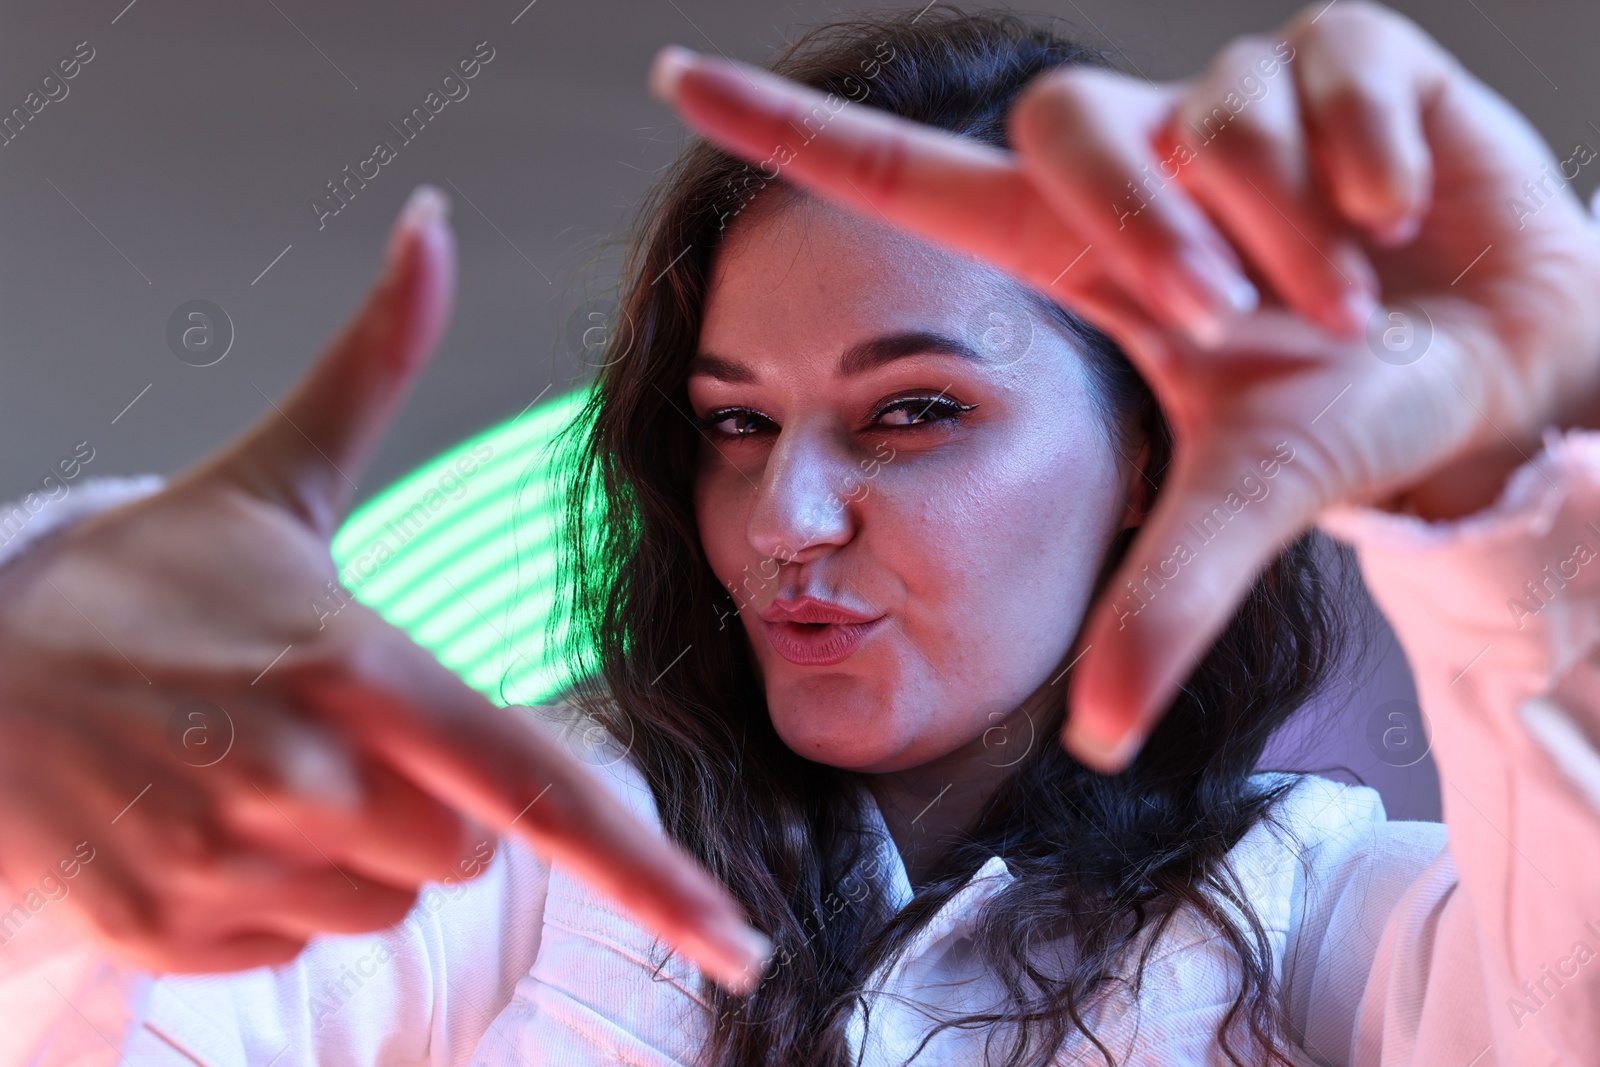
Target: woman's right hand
x,y
1374,149
346,766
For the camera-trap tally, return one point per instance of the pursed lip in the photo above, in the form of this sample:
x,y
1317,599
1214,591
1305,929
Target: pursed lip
x,y
812,610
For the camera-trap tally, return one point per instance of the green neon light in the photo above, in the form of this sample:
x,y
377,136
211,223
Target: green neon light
x,y
460,554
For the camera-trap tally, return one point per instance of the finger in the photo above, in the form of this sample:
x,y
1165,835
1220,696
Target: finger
x,y
311,796
493,766
305,452
1240,149
111,903
249,892
1182,580
401,834
239,952
1365,75
142,901
106,900
1084,138
1241,485
955,191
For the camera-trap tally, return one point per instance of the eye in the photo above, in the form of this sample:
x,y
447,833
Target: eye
x,y
905,413
741,418
921,411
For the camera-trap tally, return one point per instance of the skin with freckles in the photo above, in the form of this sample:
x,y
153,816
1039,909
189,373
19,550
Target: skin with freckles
x,y
978,534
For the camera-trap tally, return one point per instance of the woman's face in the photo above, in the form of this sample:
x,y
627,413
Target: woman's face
x,y
837,463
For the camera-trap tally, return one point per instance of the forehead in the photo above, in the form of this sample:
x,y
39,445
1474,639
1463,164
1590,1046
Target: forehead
x,y
796,276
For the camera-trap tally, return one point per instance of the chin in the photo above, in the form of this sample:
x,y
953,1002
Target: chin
x,y
839,720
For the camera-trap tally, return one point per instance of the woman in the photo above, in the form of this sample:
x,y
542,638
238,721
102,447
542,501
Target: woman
x,y
860,491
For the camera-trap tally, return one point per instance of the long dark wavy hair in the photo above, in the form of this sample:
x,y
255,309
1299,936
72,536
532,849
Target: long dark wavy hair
x,y
1103,861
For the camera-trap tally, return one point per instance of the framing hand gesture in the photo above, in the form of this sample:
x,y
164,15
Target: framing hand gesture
x,y
1423,319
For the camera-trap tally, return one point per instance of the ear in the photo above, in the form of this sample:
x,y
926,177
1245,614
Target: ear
x,y
1138,490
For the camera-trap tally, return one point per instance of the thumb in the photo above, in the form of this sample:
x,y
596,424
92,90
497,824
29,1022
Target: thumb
x,y
1227,509
307,449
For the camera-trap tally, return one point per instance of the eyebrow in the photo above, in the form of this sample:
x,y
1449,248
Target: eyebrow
x,y
858,358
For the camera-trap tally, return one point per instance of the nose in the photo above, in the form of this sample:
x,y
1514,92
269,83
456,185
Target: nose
x,y
803,506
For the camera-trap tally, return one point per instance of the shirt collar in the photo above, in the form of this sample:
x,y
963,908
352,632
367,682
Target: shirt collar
x,y
881,865
901,977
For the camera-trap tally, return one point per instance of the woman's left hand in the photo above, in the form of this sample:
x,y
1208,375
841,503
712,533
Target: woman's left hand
x,y
1371,166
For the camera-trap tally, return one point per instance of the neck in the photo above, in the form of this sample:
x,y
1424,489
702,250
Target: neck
x,y
929,807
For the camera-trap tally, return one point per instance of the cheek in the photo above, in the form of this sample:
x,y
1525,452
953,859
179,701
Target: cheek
x,y
721,508
998,551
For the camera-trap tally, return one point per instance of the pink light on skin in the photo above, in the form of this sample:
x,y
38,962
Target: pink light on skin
x,y
977,548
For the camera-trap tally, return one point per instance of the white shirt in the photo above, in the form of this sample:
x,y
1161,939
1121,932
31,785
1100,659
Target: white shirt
x,y
1391,948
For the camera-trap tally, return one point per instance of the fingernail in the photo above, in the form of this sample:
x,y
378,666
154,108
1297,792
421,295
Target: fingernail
x,y
1208,294
1355,308
745,950
1399,231
1100,752
318,767
426,206
1239,295
667,70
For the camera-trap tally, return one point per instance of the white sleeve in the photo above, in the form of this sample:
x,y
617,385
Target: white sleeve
x,y
1353,882
1489,955
423,992
29,518
420,993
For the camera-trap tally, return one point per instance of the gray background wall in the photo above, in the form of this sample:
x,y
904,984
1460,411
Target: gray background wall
x,y
180,163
